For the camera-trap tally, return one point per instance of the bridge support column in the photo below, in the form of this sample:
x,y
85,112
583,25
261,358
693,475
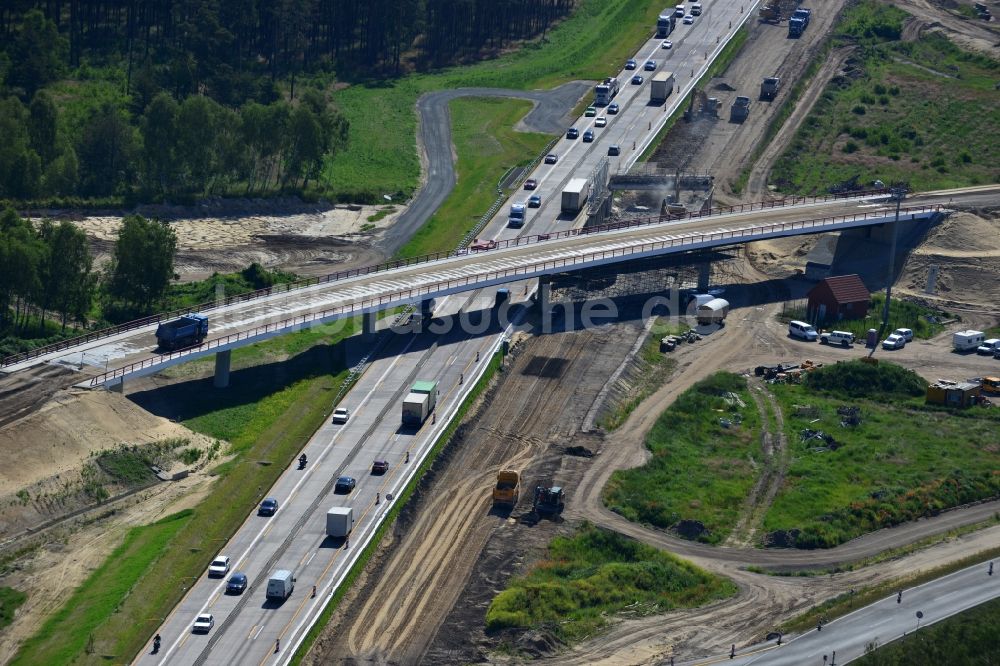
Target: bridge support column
x,y
368,322
704,276
118,386
544,294
222,369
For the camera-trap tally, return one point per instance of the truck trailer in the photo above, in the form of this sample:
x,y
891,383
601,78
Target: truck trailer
x,y
712,312
967,340
605,91
339,521
665,23
186,331
419,402
660,87
575,195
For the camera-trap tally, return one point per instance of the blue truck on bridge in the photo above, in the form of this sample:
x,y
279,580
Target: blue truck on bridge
x,y
186,331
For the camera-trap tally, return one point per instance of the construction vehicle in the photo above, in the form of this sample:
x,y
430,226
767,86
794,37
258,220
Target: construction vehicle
x,y
661,86
740,109
665,23
769,87
548,501
189,330
605,91
508,488
575,195
798,22
770,12
419,402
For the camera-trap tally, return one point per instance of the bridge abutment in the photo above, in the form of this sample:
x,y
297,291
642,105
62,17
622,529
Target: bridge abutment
x,y
222,360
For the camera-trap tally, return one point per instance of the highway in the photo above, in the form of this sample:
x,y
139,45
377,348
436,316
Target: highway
x,y
247,627
876,624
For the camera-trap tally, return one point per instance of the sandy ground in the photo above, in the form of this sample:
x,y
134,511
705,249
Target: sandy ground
x,y
971,34
223,236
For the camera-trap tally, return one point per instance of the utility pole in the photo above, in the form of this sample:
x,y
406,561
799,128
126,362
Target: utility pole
x,y
898,193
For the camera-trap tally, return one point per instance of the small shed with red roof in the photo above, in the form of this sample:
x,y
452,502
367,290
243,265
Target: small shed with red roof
x,y
839,297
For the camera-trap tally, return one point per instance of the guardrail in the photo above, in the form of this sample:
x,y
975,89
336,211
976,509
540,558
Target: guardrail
x,y
400,263
508,275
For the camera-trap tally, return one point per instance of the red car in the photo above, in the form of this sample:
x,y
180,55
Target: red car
x,y
479,246
380,467
530,184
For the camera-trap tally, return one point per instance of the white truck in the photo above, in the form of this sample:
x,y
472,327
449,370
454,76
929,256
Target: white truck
x,y
515,218
660,87
575,195
967,340
419,402
280,585
605,91
712,312
339,521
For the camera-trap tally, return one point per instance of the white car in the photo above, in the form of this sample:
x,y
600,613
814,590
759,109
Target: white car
x,y
219,566
894,341
688,20
203,623
907,333
989,347
600,121
341,415
667,44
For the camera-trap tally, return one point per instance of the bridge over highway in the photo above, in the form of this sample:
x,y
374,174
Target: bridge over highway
x,y
129,353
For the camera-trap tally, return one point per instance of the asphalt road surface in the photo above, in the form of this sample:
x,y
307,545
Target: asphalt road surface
x,y
877,624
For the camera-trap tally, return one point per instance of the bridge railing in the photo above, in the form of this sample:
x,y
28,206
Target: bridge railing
x,y
504,275
400,263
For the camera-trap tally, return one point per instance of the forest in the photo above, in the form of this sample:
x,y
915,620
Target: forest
x,y
122,101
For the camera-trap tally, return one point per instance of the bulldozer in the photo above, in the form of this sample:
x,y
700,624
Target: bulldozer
x,y
770,12
548,501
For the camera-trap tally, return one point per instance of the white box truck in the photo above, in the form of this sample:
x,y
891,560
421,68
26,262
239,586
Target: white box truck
x,y
339,521
712,312
967,340
575,195
280,585
419,402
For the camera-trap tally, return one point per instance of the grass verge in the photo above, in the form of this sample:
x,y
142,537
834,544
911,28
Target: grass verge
x,y
487,146
70,633
10,600
653,368
595,574
362,561
965,639
701,470
855,599
904,461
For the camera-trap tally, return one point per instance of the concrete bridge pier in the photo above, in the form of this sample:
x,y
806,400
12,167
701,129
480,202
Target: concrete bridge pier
x,y
704,276
368,322
117,387
544,294
222,360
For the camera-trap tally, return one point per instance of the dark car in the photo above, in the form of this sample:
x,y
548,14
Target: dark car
x,y
345,485
630,63
572,133
551,158
534,201
380,467
613,107
237,583
614,149
530,184
268,507
637,80
588,136
650,65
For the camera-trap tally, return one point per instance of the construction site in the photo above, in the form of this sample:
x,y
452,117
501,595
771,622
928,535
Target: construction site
x,y
530,459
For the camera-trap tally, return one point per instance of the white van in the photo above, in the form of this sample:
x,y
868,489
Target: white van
x,y
800,329
280,584
679,11
696,9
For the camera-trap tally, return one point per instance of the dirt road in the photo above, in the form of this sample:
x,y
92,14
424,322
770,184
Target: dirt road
x,y
435,558
971,34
